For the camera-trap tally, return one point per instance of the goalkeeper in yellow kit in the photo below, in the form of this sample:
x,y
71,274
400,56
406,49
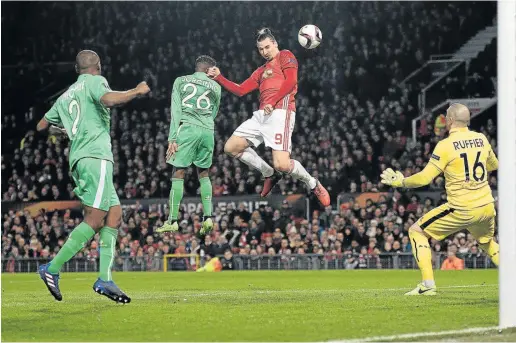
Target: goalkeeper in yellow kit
x,y
465,158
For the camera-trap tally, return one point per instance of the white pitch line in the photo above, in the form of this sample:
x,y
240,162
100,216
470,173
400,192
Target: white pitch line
x,y
417,335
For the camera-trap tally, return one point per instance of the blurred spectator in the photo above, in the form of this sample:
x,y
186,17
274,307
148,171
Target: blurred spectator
x,y
452,262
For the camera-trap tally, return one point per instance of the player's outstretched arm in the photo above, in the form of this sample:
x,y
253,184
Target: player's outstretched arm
x,y
242,89
114,98
396,179
438,162
422,178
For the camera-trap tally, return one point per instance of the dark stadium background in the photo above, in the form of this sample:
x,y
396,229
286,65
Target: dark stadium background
x,y
355,109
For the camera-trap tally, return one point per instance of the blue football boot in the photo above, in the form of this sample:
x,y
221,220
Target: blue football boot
x,y
51,281
110,290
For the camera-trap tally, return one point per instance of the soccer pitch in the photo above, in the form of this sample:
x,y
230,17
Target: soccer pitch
x,y
248,306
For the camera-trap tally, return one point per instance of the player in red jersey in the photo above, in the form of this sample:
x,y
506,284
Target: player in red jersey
x,y
274,122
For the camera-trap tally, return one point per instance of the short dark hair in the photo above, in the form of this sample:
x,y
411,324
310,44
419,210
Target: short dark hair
x,y
205,60
86,59
264,33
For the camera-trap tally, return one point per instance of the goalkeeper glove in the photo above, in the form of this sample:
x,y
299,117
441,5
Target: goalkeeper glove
x,y
391,178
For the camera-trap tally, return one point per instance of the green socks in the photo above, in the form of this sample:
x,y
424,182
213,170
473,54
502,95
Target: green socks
x,y
206,195
108,237
75,242
176,194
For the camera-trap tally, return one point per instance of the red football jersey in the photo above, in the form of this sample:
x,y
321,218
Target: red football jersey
x,y
270,78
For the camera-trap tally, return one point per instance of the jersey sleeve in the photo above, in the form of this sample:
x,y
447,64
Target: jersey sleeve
x,y
287,60
249,85
440,156
422,178
218,95
98,87
175,111
492,160
52,116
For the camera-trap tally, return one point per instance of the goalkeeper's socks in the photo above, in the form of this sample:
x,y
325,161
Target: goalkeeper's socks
x,y
429,283
108,237
75,242
206,195
251,158
176,195
493,250
298,172
423,255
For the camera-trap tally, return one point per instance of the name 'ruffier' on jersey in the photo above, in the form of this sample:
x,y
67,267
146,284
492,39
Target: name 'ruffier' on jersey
x,y
466,157
86,120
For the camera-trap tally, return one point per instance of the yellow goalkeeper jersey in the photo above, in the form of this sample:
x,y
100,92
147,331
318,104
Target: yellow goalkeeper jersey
x,y
465,158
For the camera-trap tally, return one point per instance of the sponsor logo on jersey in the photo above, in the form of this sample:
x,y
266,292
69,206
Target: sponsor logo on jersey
x,y
267,74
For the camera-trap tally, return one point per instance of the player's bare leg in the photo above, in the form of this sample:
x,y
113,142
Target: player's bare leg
x,y
108,238
423,255
176,195
92,223
239,147
284,164
206,196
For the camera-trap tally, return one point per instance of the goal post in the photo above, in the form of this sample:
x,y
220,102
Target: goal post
x,y
188,264
507,157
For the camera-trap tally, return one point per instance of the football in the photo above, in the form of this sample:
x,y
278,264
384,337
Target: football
x,y
309,36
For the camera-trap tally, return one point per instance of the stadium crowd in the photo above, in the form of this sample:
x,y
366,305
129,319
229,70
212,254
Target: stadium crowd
x,y
351,233
353,120
348,126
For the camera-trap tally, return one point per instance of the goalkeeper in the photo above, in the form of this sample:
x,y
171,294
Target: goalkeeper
x,y
195,103
465,158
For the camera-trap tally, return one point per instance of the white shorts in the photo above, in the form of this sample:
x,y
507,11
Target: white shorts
x,y
274,129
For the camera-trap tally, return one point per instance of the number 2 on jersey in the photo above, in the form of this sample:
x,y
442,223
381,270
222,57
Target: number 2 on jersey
x,y
477,165
74,104
203,97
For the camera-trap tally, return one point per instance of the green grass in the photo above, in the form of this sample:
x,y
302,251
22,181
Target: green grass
x,y
247,306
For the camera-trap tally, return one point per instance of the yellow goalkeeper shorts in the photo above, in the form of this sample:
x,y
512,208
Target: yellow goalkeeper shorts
x,y
444,220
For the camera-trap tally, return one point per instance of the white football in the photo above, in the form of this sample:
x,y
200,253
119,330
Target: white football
x,y
309,36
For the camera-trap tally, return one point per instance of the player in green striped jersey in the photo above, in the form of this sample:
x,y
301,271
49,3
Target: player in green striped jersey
x,y
82,113
195,103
